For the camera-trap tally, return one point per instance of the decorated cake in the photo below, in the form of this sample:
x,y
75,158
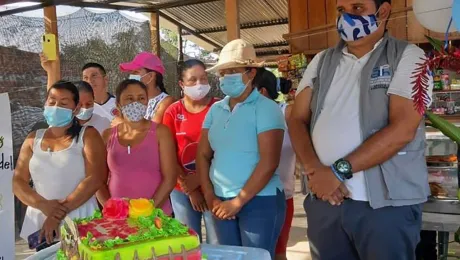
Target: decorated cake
x,y
125,230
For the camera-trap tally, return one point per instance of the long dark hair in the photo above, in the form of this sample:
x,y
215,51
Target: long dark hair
x,y
74,130
124,85
267,80
285,85
83,86
188,64
159,82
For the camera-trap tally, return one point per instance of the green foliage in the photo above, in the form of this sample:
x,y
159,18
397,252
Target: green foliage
x,y
447,128
437,44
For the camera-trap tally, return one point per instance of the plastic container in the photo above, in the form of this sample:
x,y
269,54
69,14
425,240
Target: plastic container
x,y
209,252
445,82
450,107
46,254
212,252
443,182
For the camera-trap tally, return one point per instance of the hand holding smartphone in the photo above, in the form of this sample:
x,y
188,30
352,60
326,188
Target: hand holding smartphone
x,y
34,242
49,46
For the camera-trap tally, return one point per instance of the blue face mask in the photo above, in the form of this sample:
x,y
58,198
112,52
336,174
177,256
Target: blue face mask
x,y
232,85
139,77
136,77
57,116
85,113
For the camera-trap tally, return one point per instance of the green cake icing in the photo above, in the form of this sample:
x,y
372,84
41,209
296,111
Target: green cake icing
x,y
141,237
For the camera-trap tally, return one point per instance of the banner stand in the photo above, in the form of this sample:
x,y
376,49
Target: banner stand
x,y
7,226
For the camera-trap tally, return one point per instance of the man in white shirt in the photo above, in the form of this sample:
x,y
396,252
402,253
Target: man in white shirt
x,y
96,75
357,156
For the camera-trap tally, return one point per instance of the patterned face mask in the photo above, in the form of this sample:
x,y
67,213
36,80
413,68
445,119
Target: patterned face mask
x,y
134,112
354,27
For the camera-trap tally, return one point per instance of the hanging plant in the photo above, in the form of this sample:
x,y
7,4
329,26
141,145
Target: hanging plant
x,y
443,58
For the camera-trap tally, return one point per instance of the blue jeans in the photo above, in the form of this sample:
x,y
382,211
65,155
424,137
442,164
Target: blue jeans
x,y
184,212
258,224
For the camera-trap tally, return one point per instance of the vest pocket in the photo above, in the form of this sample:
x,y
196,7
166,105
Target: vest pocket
x,y
406,176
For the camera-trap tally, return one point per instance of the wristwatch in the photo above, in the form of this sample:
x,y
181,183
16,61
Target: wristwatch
x,y
343,168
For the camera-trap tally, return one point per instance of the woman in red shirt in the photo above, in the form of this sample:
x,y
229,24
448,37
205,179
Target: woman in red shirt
x,y
185,118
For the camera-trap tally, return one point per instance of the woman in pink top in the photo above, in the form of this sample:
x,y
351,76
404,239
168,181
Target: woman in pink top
x,y
133,152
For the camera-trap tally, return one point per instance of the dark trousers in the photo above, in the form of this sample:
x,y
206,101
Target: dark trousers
x,y
426,249
355,231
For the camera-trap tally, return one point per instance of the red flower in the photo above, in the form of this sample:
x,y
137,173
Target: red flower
x,y
457,53
115,209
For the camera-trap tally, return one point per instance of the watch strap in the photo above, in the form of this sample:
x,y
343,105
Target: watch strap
x,y
337,174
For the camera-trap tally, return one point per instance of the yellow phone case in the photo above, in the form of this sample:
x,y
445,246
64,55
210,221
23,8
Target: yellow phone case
x,y
49,46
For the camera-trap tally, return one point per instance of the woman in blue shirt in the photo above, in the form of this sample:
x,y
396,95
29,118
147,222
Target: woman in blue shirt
x,y
238,156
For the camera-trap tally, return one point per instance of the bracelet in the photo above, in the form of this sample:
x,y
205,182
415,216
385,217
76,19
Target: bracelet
x,y
337,175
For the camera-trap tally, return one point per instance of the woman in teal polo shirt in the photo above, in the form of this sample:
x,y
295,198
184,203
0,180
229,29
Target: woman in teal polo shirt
x,y
238,156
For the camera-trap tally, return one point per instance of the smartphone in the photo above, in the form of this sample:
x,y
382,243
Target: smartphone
x,y
49,46
35,244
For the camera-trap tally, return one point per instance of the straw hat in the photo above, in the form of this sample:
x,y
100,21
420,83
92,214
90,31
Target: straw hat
x,y
237,54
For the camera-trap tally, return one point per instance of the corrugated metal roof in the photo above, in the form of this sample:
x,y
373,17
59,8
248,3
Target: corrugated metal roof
x,y
201,16
260,10
212,15
255,36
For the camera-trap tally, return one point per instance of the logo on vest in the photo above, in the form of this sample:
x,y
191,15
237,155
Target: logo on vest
x,y
380,77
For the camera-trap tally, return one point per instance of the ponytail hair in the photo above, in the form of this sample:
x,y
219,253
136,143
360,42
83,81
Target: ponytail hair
x,y
159,82
285,85
74,130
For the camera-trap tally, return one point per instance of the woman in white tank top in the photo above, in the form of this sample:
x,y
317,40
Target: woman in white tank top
x,y
269,86
66,163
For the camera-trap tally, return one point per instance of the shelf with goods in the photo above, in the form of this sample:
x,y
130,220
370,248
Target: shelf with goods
x,y
446,94
443,173
292,67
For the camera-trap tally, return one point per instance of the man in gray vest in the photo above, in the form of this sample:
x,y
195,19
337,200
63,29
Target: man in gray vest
x,y
356,132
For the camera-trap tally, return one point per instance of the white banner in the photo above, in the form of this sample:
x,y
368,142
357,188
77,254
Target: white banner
x,y
7,230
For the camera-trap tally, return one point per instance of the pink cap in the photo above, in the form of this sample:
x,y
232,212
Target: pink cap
x,y
146,60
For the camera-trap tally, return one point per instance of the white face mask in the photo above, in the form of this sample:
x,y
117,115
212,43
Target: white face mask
x,y
197,92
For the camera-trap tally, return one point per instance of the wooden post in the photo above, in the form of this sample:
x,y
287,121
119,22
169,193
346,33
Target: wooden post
x,y
397,24
232,16
50,19
317,17
180,42
155,33
298,22
331,15
415,31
